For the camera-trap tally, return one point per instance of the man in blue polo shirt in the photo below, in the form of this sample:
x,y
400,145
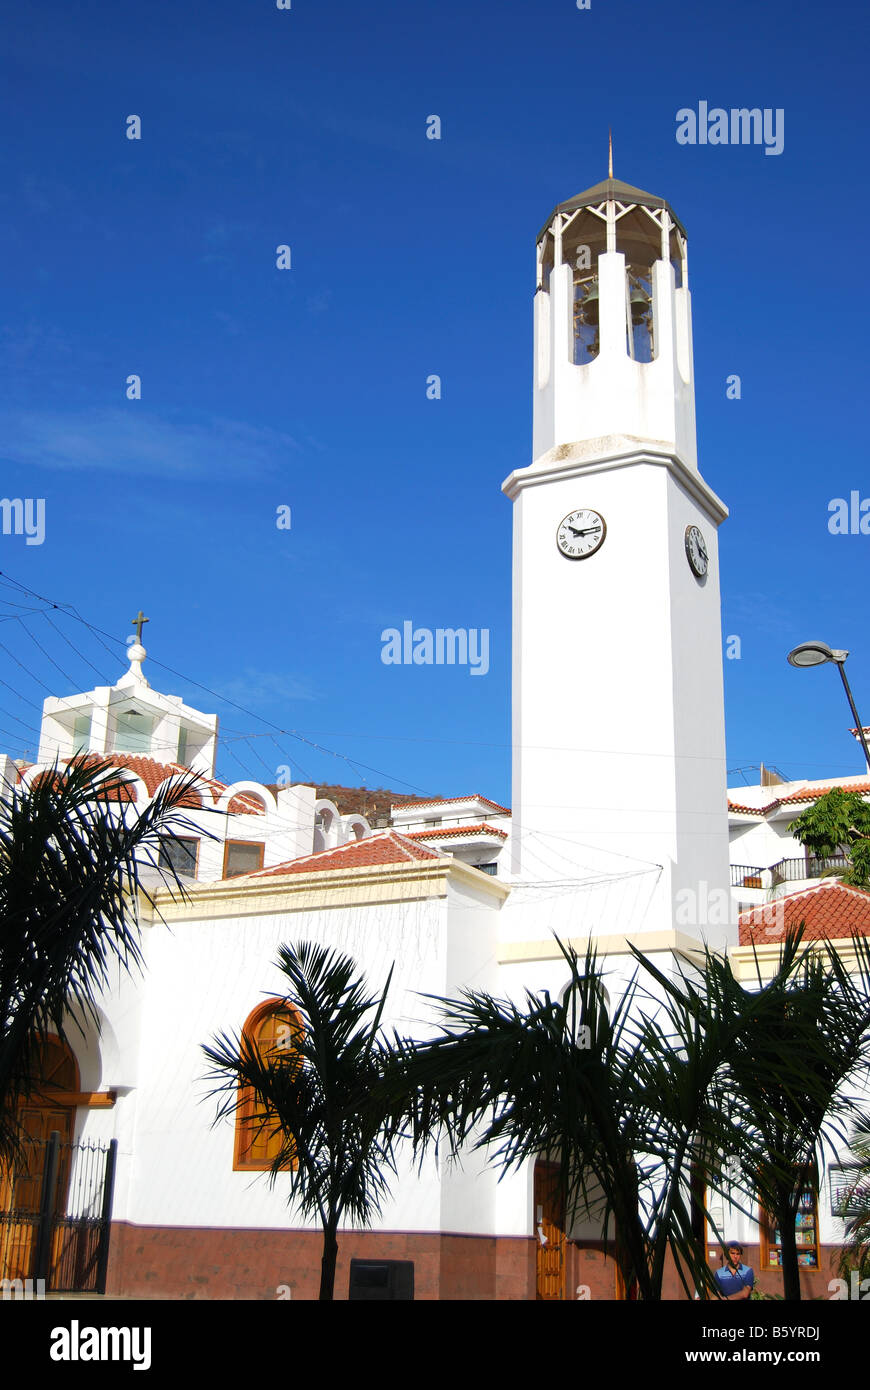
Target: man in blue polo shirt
x,y
734,1280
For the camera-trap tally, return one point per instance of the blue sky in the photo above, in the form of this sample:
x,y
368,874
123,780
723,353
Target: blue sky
x,y
307,387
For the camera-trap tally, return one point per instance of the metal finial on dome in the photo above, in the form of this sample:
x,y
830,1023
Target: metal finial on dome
x,y
609,155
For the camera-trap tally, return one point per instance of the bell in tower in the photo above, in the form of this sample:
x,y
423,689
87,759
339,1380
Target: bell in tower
x,y
613,289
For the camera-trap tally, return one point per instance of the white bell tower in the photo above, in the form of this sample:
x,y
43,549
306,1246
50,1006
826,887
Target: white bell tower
x,y
618,720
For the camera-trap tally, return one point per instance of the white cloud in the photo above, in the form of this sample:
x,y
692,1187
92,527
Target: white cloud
x,y
133,441
253,687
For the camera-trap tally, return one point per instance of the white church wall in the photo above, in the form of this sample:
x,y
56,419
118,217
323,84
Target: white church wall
x,y
468,1185
107,1050
205,977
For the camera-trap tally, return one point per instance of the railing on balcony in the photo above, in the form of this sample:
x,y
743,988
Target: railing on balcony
x,y
786,871
808,866
746,876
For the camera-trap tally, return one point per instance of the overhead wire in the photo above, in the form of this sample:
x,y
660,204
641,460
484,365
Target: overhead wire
x,y
279,822
287,733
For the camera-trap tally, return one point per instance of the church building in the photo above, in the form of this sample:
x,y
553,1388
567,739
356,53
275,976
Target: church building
x,y
619,810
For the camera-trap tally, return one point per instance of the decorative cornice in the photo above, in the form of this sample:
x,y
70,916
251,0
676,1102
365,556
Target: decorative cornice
x,y
614,451
768,956
547,948
332,888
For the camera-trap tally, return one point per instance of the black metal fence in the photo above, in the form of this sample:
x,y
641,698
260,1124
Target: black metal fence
x,y
786,871
746,876
809,866
55,1215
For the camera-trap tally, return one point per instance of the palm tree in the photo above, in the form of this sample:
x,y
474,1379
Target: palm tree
x,y
336,1146
797,1042
625,1102
71,851
855,1253
552,1078
654,1097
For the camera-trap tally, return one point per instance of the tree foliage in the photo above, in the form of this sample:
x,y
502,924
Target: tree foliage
x,y
71,853
839,822
704,1078
337,1147
792,1073
855,1252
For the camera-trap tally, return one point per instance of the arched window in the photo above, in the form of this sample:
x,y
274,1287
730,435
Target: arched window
x,y
272,1028
57,1066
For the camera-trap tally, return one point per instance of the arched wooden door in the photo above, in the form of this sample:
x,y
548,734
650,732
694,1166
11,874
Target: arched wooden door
x,y
549,1232
21,1184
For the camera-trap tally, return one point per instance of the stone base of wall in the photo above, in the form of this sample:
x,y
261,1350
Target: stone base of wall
x,y
587,1266
179,1262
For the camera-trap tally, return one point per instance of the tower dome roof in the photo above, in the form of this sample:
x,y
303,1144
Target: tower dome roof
x,y
616,190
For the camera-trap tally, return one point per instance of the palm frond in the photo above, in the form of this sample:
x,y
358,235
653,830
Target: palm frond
x,y
71,853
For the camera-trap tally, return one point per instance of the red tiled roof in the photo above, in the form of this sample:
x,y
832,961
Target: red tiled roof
x,y
243,803
450,800
153,773
387,847
810,792
830,909
813,792
440,832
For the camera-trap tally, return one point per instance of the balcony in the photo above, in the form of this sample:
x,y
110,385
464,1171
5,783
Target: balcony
x,y
808,866
747,876
786,871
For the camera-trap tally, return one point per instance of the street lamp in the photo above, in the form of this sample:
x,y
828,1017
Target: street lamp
x,y
817,654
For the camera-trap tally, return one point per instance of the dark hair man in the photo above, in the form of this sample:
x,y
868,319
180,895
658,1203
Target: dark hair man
x,y
734,1280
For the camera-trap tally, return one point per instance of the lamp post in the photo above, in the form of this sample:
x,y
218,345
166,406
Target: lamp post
x,y
817,654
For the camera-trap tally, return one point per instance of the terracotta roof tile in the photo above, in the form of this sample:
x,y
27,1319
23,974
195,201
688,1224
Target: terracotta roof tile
x,y
448,801
153,773
387,847
811,791
830,909
244,804
441,832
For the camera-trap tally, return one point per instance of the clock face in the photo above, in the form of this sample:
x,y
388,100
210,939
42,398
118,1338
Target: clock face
x,y
696,551
580,534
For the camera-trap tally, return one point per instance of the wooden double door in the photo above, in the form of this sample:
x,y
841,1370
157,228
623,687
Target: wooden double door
x,y
551,1240
21,1181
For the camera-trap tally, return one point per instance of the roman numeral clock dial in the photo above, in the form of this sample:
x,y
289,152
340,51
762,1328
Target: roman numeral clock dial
x,y
580,534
